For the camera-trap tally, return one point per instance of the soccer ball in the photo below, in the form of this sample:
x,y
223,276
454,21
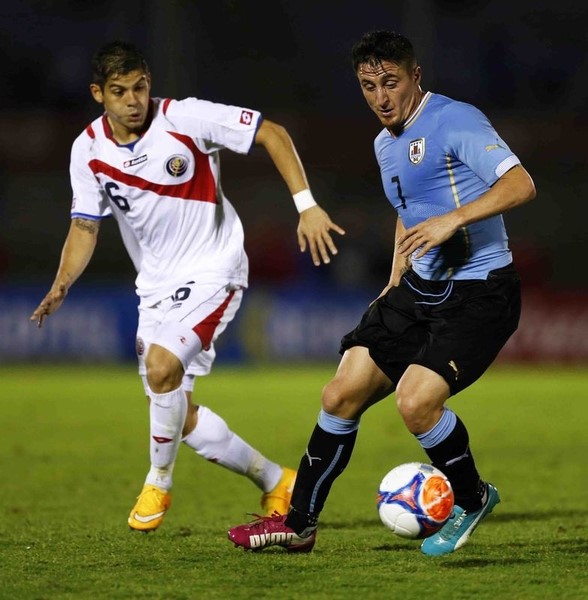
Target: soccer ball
x,y
415,500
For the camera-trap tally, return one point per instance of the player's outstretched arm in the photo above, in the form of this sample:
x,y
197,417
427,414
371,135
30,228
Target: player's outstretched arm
x,y
75,256
315,224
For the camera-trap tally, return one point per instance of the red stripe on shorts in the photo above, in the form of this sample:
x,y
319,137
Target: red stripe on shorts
x,y
205,329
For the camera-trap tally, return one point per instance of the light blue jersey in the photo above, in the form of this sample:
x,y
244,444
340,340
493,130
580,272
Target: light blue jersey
x,y
447,156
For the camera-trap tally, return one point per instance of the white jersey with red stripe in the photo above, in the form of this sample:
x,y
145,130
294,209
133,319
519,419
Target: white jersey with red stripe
x,y
164,190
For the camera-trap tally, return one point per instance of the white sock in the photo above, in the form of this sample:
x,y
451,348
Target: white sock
x,y
213,440
167,415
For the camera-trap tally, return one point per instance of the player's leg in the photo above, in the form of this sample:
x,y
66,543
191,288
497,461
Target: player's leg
x,y
358,384
447,445
210,437
154,498
207,310
167,415
188,321
420,397
170,335
475,325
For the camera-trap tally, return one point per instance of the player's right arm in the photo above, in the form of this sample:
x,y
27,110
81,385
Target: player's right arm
x,y
77,251
315,225
400,263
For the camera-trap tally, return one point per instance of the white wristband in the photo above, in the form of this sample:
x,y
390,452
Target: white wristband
x,y
303,200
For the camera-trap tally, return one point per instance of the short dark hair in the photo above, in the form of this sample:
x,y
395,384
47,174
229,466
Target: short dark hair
x,y
379,45
116,58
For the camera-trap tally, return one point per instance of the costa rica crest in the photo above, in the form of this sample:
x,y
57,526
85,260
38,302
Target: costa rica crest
x,y
416,151
176,165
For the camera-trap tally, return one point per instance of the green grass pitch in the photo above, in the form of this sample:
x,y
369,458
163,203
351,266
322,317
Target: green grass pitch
x,y
74,453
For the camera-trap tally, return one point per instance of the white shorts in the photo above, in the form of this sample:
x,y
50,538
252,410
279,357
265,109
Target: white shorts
x,y
187,323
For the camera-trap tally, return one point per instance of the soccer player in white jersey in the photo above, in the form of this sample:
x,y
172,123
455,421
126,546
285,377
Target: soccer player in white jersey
x,y
153,165
451,303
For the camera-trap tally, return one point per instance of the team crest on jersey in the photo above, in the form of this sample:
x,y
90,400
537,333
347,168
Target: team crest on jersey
x,y
416,151
176,165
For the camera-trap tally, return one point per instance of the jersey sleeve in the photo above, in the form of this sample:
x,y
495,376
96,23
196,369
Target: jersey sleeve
x,y
216,126
88,200
472,139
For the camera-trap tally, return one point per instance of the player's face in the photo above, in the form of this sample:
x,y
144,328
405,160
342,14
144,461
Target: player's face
x,y
391,92
126,103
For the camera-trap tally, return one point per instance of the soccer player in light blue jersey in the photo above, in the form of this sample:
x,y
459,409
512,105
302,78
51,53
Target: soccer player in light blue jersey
x,y
452,301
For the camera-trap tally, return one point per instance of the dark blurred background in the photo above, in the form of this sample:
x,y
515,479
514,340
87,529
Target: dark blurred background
x,y
524,63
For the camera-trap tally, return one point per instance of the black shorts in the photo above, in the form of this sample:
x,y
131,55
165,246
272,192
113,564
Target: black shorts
x,y
455,328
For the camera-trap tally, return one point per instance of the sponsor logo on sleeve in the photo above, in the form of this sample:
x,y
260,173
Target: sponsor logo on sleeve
x,y
246,117
491,147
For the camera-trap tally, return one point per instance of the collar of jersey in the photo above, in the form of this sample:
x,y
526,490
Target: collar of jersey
x,y
417,110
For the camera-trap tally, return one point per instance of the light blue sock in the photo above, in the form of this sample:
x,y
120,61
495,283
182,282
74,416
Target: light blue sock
x,y
444,426
336,425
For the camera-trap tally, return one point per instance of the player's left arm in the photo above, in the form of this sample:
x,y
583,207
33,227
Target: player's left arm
x,y
315,224
514,188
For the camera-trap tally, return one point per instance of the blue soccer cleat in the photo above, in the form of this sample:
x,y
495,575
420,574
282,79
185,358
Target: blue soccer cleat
x,y
456,532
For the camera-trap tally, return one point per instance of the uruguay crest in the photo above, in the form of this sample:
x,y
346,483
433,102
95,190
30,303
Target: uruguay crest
x,y
416,151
